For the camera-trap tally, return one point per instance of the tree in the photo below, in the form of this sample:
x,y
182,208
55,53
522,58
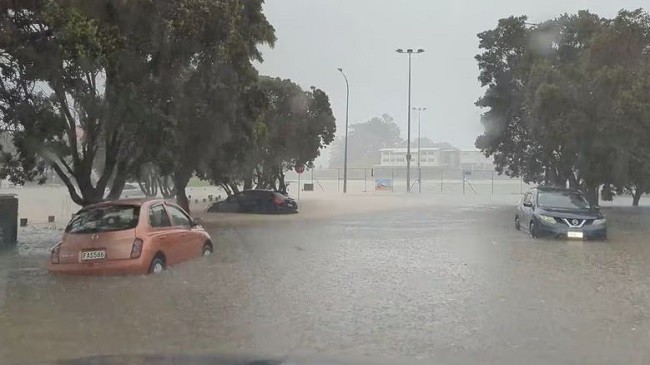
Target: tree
x,y
556,99
290,126
109,85
295,126
212,79
74,90
364,142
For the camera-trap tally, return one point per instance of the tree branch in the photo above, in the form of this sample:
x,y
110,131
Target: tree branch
x,y
66,180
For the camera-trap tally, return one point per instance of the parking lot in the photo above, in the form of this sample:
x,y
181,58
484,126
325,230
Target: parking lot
x,y
404,277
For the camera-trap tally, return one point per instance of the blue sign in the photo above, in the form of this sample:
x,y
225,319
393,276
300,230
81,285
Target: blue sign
x,y
383,184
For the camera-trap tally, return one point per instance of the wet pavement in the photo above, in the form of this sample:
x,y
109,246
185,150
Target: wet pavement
x,y
456,284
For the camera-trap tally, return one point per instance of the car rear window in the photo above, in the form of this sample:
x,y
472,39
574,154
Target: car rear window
x,y
105,219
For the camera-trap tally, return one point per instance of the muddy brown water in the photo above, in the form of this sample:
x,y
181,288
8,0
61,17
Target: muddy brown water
x,y
454,284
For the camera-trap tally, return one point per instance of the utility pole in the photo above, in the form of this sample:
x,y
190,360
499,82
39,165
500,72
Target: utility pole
x,y
410,53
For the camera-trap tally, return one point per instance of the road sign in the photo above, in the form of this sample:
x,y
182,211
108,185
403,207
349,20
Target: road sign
x,y
299,169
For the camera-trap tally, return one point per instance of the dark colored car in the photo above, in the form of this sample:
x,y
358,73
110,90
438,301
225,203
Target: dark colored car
x,y
559,212
255,201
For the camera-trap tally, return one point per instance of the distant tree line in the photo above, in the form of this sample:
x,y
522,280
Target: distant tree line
x,y
366,139
568,101
108,91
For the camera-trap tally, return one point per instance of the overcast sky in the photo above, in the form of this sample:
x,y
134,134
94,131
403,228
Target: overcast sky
x,y
315,37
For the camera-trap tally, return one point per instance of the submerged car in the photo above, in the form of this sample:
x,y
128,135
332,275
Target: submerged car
x,y
255,201
559,212
129,237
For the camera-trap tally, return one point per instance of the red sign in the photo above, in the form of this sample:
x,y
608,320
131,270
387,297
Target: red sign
x,y
299,169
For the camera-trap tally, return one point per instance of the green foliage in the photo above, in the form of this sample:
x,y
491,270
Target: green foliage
x,y
566,100
288,126
97,89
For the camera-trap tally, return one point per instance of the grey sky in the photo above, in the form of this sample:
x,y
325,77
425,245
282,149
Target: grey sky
x,y
317,36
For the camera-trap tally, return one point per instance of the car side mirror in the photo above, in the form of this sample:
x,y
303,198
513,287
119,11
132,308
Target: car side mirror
x,y
528,205
597,207
196,222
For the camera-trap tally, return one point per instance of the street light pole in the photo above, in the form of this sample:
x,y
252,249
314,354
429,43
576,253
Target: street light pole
x,y
347,116
410,53
419,110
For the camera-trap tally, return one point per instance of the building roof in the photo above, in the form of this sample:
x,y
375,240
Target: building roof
x,y
402,149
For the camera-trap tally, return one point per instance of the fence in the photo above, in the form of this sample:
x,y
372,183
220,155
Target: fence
x,y
426,180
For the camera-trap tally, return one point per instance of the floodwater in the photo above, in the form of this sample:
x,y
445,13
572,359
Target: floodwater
x,y
456,284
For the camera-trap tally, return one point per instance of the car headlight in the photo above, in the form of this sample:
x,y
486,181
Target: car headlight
x,y
547,219
600,222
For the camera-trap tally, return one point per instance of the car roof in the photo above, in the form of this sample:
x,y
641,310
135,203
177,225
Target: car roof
x,y
136,201
256,191
556,188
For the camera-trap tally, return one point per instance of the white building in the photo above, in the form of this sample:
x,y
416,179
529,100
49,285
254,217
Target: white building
x,y
435,157
471,160
429,157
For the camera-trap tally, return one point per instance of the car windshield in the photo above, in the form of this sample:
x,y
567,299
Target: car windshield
x,y
105,219
562,199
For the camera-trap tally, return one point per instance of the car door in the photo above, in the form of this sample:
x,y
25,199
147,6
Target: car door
x,y
189,241
527,210
262,201
247,201
162,232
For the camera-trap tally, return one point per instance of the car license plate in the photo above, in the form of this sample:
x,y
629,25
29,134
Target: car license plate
x,y
93,255
575,235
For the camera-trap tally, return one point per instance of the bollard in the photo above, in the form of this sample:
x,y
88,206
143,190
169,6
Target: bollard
x,y
196,201
23,222
205,200
210,198
50,219
189,197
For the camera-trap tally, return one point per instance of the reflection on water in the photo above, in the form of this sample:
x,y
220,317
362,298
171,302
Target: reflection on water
x,y
453,284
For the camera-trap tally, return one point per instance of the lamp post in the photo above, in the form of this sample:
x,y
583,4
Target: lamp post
x,y
419,110
410,53
347,115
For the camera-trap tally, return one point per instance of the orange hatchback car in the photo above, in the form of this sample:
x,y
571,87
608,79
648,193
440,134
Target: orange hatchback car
x,y
128,237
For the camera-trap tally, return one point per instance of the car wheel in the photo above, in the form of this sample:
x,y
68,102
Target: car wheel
x,y
157,265
532,230
517,223
207,250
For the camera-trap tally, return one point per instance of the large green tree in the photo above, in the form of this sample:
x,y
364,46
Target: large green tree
x,y
559,99
95,89
290,127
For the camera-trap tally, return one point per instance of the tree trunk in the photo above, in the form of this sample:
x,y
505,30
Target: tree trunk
x,y
592,194
148,181
282,186
226,188
180,183
248,181
233,187
166,189
636,198
90,194
117,187
573,182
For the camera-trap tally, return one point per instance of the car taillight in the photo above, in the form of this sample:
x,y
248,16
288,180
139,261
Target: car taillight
x,y
54,255
278,201
136,249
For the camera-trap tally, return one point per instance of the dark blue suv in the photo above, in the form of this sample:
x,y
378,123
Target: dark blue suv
x,y
559,212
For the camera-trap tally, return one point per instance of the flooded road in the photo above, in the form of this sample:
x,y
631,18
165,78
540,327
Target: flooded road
x,y
455,284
